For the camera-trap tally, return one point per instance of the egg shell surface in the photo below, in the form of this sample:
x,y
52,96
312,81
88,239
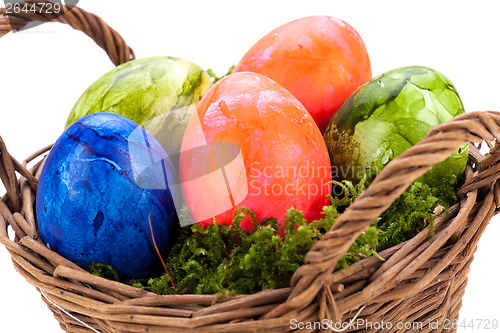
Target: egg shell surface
x,y
320,59
388,115
101,180
158,93
282,162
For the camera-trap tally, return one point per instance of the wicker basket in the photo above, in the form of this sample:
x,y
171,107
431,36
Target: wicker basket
x,y
421,280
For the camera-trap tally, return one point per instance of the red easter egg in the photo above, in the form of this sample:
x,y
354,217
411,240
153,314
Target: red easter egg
x,y
321,60
252,143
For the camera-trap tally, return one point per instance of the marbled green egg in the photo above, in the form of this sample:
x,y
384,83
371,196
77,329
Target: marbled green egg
x,y
158,93
386,116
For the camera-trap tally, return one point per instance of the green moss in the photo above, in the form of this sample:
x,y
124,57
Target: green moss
x,y
225,260
414,210
103,270
216,78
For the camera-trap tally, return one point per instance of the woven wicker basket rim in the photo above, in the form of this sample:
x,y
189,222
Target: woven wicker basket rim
x,y
422,279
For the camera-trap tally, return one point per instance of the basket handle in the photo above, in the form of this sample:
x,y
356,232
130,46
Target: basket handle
x,y
92,25
391,182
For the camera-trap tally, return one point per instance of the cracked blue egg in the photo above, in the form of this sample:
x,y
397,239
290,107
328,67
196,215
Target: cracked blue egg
x,y
101,182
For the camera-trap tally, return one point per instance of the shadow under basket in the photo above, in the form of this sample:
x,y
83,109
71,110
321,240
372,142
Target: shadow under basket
x,y
422,280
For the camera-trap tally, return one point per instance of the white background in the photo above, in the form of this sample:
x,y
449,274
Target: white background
x,y
44,71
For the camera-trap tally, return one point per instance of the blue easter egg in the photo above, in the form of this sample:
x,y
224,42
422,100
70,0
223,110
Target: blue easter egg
x,y
100,182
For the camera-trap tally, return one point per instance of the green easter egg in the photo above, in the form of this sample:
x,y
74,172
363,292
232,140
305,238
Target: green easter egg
x,y
386,116
158,93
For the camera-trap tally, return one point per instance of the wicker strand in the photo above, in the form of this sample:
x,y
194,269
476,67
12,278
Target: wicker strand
x,y
8,176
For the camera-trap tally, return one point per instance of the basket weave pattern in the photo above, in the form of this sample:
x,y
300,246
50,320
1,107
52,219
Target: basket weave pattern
x,y
420,280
